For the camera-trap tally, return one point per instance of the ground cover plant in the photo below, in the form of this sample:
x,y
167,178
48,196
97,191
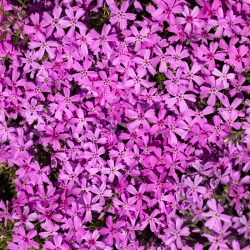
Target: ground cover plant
x,y
124,124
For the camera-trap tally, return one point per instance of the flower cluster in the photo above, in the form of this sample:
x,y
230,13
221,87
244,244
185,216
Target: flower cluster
x,y
127,123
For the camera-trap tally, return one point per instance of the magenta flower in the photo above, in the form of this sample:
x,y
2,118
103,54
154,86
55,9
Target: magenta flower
x,y
175,79
43,46
101,192
141,116
57,243
245,229
236,57
191,19
20,148
72,21
54,135
91,241
89,207
25,218
5,212
137,80
84,76
76,228
217,241
151,220
192,77
53,22
71,175
179,97
120,16
233,24
147,62
126,205
47,197
49,214
236,246
29,61
138,37
165,12
32,110
213,90
132,137
211,55
102,40
175,56
217,131
6,132
25,240
223,76
38,26
158,184
195,188
138,195
112,231
238,88
175,233
216,214
95,154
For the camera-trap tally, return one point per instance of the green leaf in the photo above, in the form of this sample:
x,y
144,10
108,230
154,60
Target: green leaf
x,y
222,201
4,27
107,207
14,22
16,39
216,196
182,197
237,141
18,11
137,178
241,132
18,32
230,138
21,2
226,188
4,34
44,58
233,132
5,22
9,14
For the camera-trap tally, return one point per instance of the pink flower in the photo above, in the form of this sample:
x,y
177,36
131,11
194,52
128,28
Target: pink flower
x,y
89,207
72,21
194,187
5,212
151,220
223,76
120,16
138,195
175,233
91,241
58,243
236,57
213,90
216,214
179,97
191,19
53,22
137,80
165,12
25,240
174,56
138,38
112,231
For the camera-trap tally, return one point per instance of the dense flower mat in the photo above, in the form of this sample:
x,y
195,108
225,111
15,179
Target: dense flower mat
x,y
126,123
